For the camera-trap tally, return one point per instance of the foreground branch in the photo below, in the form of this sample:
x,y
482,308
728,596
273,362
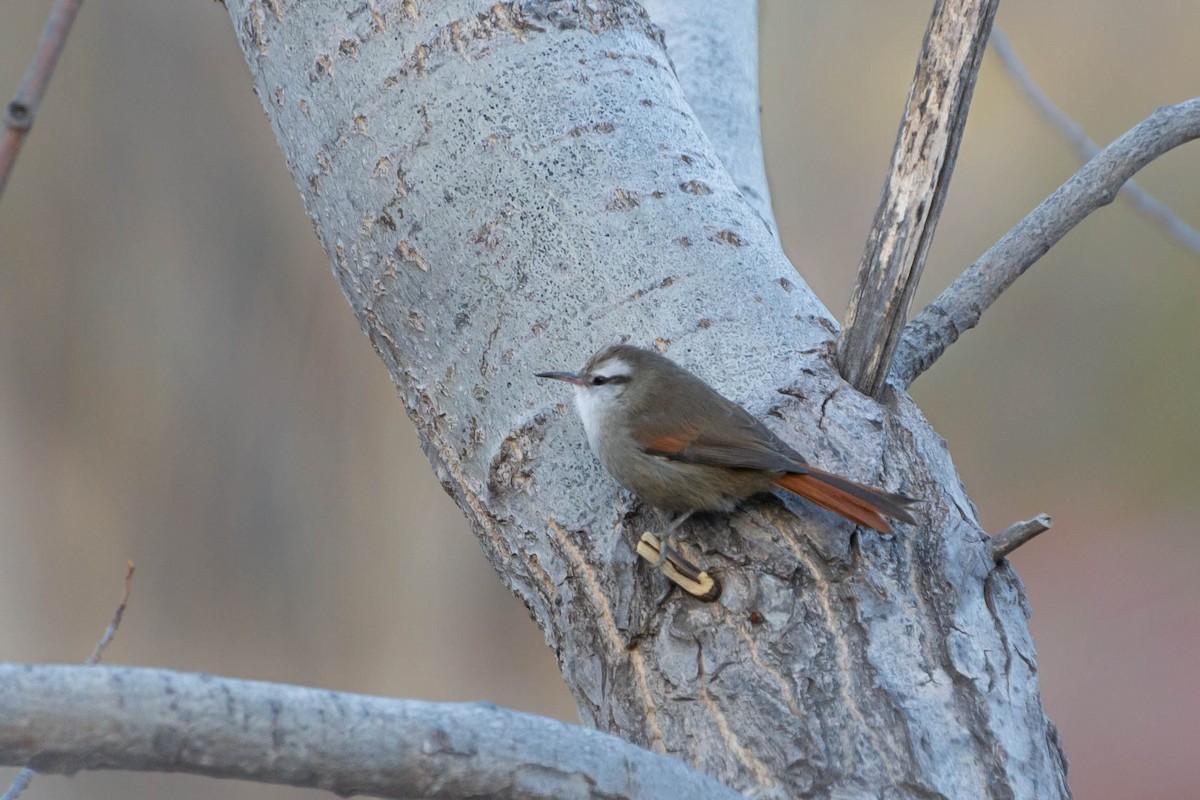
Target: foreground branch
x,y
959,308
61,719
922,162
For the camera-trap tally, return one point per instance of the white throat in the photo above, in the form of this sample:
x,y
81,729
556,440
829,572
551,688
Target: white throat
x,y
597,404
593,410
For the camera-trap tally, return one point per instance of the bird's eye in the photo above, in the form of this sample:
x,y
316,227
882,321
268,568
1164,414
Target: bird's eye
x,y
599,380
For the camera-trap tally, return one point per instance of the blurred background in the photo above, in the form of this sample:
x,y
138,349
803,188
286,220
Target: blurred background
x,y
181,382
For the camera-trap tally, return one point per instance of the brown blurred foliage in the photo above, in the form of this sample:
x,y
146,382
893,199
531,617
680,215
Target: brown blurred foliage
x,y
182,384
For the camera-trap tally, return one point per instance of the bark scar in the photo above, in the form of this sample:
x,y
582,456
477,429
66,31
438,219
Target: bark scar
x,y
609,625
841,651
759,771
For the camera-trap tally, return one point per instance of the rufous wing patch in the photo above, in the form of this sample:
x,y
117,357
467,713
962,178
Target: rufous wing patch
x,y
665,443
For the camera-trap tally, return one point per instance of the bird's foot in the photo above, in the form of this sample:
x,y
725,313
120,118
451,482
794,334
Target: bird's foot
x,y
666,536
678,569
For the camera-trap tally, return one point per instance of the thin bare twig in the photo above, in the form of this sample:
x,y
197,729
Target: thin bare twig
x,y
24,106
21,781
922,162
115,622
959,308
1138,197
1018,534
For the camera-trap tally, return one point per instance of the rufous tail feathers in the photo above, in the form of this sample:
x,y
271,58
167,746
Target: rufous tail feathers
x,y
862,504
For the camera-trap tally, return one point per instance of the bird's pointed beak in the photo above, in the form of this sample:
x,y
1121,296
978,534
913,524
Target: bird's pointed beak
x,y
569,377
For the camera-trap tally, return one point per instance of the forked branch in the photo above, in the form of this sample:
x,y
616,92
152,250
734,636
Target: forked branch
x,y
959,308
1142,200
23,778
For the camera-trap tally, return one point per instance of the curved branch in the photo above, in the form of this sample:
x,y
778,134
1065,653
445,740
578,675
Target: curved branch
x,y
62,719
922,162
1138,197
959,308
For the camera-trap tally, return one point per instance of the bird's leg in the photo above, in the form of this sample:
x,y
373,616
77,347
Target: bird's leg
x,y
667,534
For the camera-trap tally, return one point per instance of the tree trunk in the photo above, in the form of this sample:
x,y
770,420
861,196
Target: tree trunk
x,y
505,187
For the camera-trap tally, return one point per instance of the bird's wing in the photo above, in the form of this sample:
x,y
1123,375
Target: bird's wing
x,y
731,438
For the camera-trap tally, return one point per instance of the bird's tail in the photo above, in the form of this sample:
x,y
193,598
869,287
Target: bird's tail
x,y
858,503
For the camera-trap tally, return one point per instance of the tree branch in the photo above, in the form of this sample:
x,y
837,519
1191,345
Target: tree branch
x,y
24,106
1138,197
503,188
714,49
61,719
959,308
922,162
1018,534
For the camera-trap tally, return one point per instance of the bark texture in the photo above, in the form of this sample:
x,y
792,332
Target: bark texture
x,y
714,50
505,187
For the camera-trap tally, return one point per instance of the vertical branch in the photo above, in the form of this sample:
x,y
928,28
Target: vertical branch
x,y
23,108
922,161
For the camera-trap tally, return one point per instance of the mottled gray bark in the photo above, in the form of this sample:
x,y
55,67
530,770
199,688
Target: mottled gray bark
x,y
503,188
714,49
62,719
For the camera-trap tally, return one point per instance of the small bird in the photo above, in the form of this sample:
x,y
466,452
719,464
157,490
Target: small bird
x,y
672,440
